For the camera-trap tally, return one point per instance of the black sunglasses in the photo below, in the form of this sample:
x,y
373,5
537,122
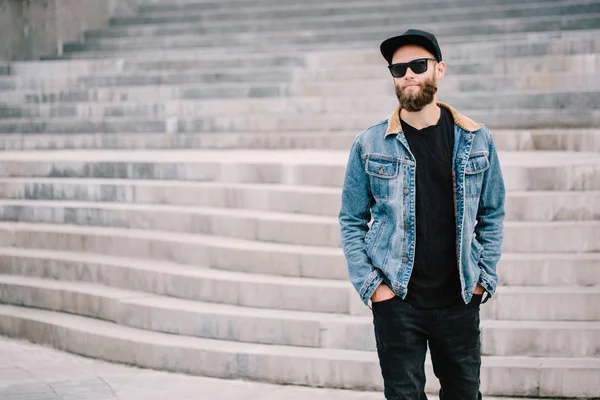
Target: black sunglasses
x,y
417,66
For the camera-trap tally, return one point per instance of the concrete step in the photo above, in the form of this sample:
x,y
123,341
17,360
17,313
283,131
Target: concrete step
x,y
317,37
234,22
523,171
177,61
508,71
313,367
215,6
574,140
266,101
523,269
520,44
509,118
289,328
175,77
270,226
310,8
561,86
564,303
206,196
577,64
550,268
363,63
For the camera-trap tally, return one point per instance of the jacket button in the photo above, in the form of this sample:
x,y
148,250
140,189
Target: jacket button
x,y
381,171
406,191
405,259
406,226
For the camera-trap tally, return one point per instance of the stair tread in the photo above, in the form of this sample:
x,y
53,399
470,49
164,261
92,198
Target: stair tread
x,y
222,309
198,271
108,329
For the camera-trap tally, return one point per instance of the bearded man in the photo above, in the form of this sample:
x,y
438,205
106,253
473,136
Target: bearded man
x,y
429,181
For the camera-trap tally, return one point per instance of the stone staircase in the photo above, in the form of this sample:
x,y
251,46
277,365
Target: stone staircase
x,y
169,187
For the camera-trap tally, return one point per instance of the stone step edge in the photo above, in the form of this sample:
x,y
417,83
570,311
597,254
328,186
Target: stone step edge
x,y
211,185
108,303
171,140
234,17
292,83
174,53
136,337
242,212
288,158
371,29
168,267
290,86
295,98
27,69
309,52
298,77
145,9
150,299
168,129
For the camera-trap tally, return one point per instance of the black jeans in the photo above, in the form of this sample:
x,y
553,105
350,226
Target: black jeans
x,y
402,333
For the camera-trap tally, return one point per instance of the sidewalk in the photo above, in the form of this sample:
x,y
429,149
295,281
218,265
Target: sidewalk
x,y
32,372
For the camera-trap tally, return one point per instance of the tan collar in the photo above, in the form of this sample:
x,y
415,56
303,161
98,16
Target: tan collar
x,y
465,123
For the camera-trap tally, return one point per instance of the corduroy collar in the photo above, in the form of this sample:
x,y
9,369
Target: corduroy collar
x,y
465,123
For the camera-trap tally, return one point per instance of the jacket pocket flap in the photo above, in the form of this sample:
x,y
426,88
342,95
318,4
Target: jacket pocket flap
x,y
477,164
382,168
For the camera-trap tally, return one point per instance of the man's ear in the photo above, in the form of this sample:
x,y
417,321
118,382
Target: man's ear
x,y
440,69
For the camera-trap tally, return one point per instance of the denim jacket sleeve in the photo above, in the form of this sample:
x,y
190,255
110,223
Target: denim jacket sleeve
x,y
490,218
354,216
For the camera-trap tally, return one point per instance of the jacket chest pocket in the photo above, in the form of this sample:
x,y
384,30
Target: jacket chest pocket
x,y
383,172
476,166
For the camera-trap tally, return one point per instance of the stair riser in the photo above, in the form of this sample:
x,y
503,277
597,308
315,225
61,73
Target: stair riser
x,y
217,11
269,40
545,307
358,19
374,89
71,72
584,176
512,270
261,100
324,298
540,342
330,42
494,119
573,64
229,6
197,361
519,239
505,140
531,207
528,74
496,341
551,381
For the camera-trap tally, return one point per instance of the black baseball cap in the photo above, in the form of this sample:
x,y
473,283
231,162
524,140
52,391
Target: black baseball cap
x,y
411,36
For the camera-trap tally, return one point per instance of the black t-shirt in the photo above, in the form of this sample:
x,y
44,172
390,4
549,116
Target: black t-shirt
x,y
435,280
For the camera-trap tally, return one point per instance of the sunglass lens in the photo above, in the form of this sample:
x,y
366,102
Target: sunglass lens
x,y
418,67
398,70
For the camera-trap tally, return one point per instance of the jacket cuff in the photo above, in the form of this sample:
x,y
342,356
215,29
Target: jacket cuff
x,y
371,284
488,284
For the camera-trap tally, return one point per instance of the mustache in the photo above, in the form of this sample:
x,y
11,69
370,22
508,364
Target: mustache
x,y
413,84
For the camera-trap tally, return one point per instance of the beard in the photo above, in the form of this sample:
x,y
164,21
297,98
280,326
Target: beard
x,y
414,102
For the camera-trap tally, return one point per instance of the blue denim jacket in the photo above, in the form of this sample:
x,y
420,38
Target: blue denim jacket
x,y
380,183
